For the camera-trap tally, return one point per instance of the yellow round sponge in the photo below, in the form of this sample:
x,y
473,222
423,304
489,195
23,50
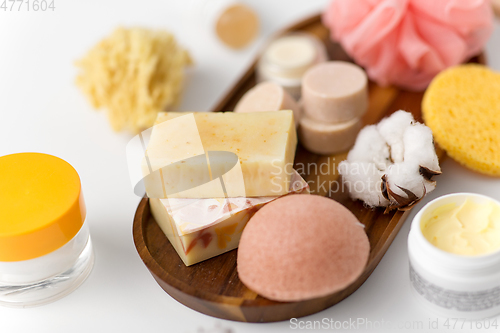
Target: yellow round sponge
x,y
462,107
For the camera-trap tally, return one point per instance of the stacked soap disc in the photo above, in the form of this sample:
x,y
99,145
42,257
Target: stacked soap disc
x,y
268,96
334,98
462,107
287,58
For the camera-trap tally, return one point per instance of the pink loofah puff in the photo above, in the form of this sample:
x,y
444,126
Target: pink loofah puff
x,y
408,42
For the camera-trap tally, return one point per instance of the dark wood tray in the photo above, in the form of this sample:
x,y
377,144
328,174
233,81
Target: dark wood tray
x,y
212,287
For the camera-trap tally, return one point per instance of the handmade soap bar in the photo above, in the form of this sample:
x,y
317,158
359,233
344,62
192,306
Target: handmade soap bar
x,y
217,155
199,229
335,91
326,138
287,58
268,96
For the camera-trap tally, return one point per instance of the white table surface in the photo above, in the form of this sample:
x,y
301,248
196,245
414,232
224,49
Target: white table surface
x,y
41,110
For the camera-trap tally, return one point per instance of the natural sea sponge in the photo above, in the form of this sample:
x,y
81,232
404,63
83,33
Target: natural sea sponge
x,y
300,247
462,107
133,74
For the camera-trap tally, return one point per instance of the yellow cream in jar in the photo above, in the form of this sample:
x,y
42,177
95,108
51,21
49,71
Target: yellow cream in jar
x,y
471,228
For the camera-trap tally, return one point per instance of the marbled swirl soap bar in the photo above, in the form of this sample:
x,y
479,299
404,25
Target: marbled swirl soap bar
x,y
189,155
200,229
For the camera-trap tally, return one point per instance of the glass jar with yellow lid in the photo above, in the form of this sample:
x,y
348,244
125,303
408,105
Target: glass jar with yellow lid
x,y
45,246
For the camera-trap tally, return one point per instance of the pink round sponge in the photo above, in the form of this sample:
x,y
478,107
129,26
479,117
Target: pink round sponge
x,y
301,247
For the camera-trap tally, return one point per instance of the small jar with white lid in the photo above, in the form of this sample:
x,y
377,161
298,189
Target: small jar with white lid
x,y
45,246
450,284
286,59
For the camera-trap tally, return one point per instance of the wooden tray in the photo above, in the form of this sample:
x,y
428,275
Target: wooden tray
x,y
212,287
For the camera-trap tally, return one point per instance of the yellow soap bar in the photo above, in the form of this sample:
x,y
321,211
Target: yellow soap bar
x,y
222,236
200,229
214,155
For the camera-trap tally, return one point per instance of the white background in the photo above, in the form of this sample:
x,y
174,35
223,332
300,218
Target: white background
x,y
41,110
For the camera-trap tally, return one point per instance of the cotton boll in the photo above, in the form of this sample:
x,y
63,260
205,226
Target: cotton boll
x,y
419,147
392,130
364,182
392,163
370,147
429,185
405,176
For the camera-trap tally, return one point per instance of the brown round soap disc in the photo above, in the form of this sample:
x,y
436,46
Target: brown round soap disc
x,y
237,26
335,92
301,247
268,96
324,138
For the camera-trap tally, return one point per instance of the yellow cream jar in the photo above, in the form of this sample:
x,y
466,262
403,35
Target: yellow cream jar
x,y
45,247
454,254
471,228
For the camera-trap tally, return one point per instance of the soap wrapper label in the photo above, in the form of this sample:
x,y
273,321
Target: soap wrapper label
x,y
192,215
